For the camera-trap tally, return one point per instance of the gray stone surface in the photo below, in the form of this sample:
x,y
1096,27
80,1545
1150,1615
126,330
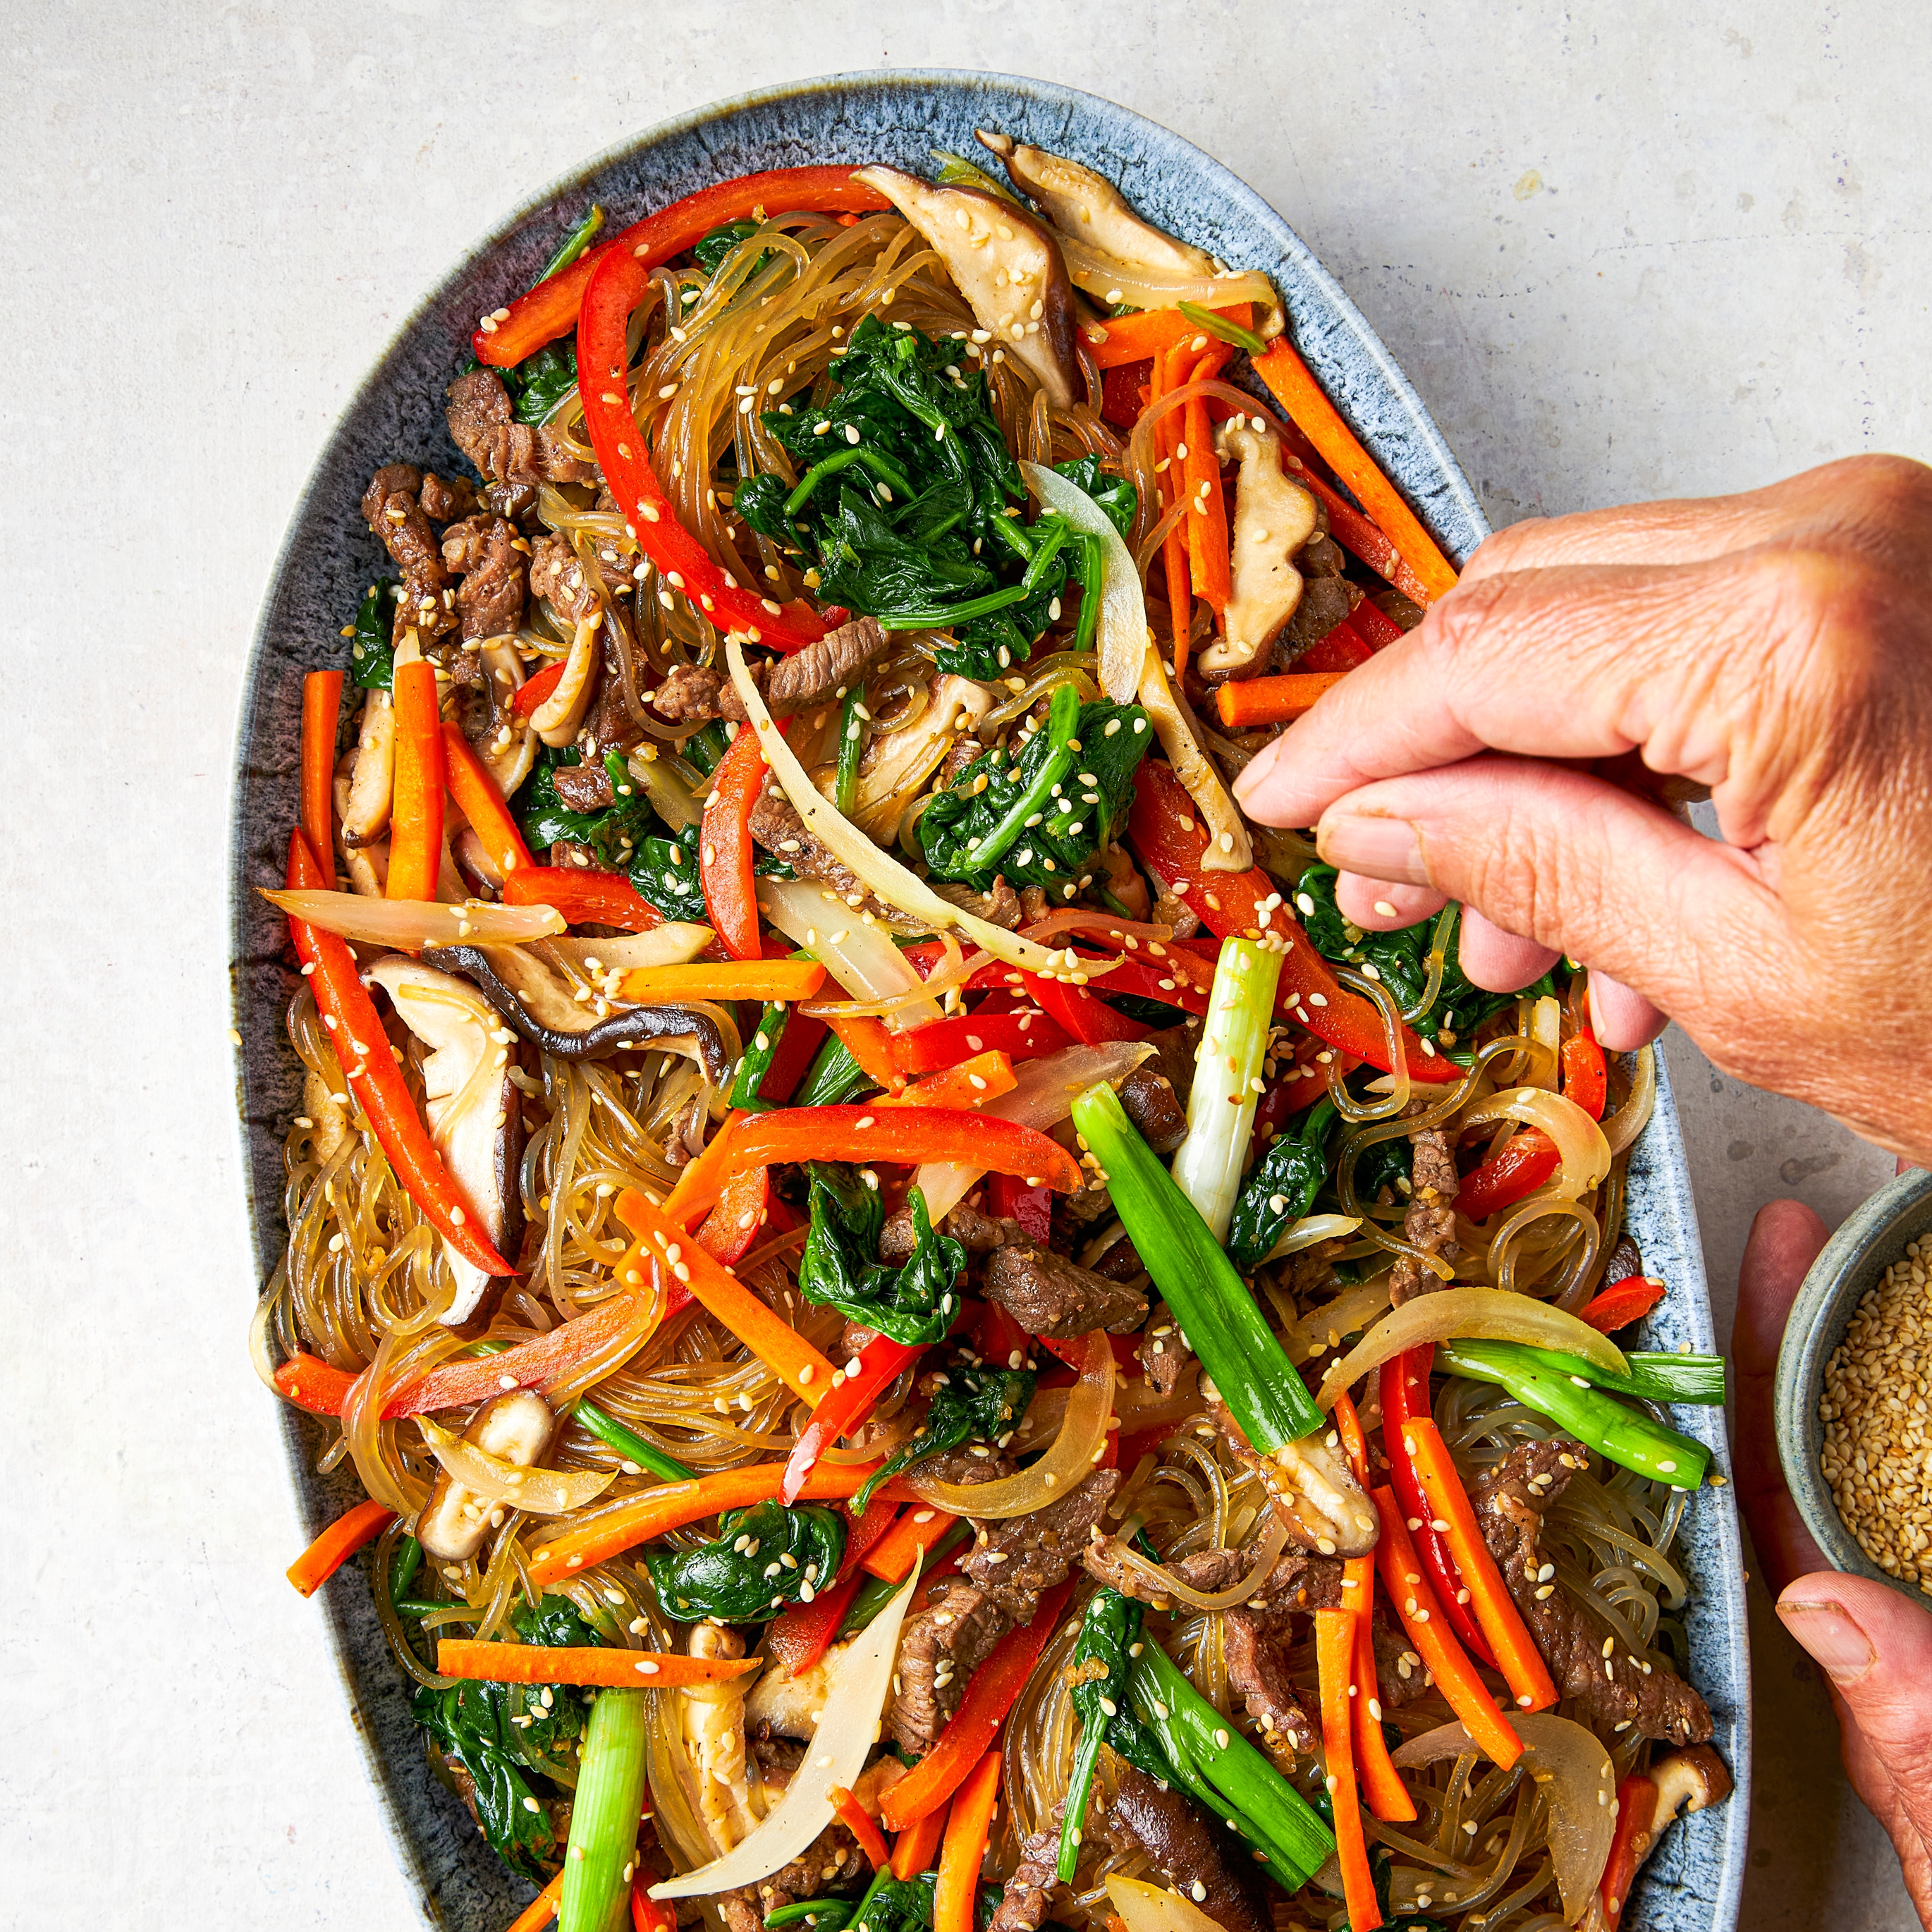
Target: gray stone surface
x,y
1676,251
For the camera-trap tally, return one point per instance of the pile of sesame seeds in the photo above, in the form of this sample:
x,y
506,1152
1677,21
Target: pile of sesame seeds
x,y
1874,1408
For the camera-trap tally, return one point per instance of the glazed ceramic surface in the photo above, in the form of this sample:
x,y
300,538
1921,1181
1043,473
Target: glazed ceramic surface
x,y
328,557
1854,1260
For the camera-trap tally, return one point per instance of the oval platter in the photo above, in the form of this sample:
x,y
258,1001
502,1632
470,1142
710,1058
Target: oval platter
x,y
327,557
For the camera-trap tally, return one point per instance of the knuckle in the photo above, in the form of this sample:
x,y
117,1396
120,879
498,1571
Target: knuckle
x,y
1891,491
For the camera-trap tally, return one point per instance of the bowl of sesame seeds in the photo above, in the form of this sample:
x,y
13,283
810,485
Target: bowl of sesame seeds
x,y
1854,1391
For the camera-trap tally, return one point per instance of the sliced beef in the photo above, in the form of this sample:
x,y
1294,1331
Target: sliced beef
x,y
1023,1904
1399,1677
444,498
820,672
940,1649
1615,1692
583,787
1255,1647
966,750
613,726
978,1234
1430,1223
1626,1259
1164,1355
1014,1561
1048,1294
689,694
391,508
779,829
483,552
832,1860
1196,1857
503,450
999,906
558,576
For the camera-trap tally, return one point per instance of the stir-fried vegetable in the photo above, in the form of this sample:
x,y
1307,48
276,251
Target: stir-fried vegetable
x,y
371,661
762,1559
913,1303
605,1809
1280,1188
972,1404
1099,1670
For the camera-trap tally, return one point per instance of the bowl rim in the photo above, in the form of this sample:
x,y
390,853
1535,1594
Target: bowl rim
x,y
1851,1262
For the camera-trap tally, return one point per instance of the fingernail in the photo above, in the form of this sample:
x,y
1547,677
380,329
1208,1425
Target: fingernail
x,y
1383,848
1826,1630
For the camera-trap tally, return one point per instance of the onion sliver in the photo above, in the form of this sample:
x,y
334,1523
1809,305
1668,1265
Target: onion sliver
x,y
1633,1116
1354,1308
534,1492
1079,1446
1575,1773
1229,848
1481,1314
1169,1585
883,874
1311,1228
1579,1141
861,1679
1123,624
409,925
674,944
861,958
1152,1908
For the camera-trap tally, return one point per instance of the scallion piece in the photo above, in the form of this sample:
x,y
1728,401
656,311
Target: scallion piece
x,y
757,1062
833,1076
1220,325
1263,1389
1221,1107
579,238
612,1433
609,1802
851,741
822,1914
1698,1380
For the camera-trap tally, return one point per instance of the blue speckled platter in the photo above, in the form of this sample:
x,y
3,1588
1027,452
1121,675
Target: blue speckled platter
x,y
327,557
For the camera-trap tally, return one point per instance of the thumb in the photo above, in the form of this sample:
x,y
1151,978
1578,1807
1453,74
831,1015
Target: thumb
x,y
1580,865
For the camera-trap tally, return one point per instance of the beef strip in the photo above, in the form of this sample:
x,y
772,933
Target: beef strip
x,y
1256,1656
613,726
391,509
1148,1098
1626,1259
558,576
940,1649
690,695
833,1859
966,750
779,829
1164,1356
1000,906
1048,1294
1023,1904
446,498
583,787
978,1234
1217,1872
483,552
821,671
1614,1692
1399,1677
1014,1561
503,450
1430,1223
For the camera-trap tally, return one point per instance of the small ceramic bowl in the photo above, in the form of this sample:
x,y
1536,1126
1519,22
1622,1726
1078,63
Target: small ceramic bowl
x,y
1854,1260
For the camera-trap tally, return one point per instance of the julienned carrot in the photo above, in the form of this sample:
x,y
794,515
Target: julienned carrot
x,y
1247,702
869,1043
604,898
913,1848
322,704
338,1544
479,801
891,1558
774,1341
1207,518
1510,1642
604,1666
851,1814
1415,1603
909,1136
1335,1663
975,1724
1318,419
415,818
1169,373
702,1180
672,1505
971,1084
1151,332
968,1828
724,979
542,1910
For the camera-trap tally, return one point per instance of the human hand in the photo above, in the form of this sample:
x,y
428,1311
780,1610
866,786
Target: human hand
x,y
1776,647
1875,1647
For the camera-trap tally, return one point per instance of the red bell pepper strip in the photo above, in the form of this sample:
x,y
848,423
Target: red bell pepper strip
x,y
479,801
1079,1015
1374,627
415,819
1636,1812
1011,1199
550,309
843,1410
851,1814
531,692
1164,980
869,1041
801,1635
732,1226
1342,648
312,1384
1405,1393
1585,1079
337,1543
322,705
1624,1302
725,852
910,1135
369,1065
1335,1661
647,1914
1248,702
988,1697
702,1180
583,899
942,1043
1123,392
1167,833
616,287
1525,1163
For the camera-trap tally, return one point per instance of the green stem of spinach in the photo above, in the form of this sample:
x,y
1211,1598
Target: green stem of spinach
x,y
612,1433
403,1566
705,747
943,617
833,1076
1062,714
1220,326
757,1063
1087,573
877,1591
881,466
575,242
851,741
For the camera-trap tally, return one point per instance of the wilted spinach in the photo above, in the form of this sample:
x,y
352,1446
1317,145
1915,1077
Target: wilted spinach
x,y
540,382
763,1558
971,1405
711,250
840,1267
616,834
1280,1187
372,662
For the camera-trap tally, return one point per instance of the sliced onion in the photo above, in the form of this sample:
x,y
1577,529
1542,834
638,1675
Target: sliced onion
x,y
1100,925
1175,731
1354,1308
1546,1029
670,798
1311,1228
1043,1095
1081,1441
1144,1907
861,958
534,1492
1580,1141
1165,1581
556,720
675,943
1484,1314
1123,625
409,925
1633,1116
1577,1779
861,1679
1113,281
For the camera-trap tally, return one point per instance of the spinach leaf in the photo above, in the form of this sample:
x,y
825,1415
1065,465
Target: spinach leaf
x,y
372,662
1040,817
1114,494
614,834
840,1267
1098,1672
833,1077
971,1404
712,248
665,872
1382,1165
1280,1187
574,244
763,1558
502,1735
541,381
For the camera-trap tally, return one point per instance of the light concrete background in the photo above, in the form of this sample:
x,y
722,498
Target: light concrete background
x,y
1650,249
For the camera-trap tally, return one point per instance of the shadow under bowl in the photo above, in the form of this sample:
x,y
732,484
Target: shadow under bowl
x,y
1854,1260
